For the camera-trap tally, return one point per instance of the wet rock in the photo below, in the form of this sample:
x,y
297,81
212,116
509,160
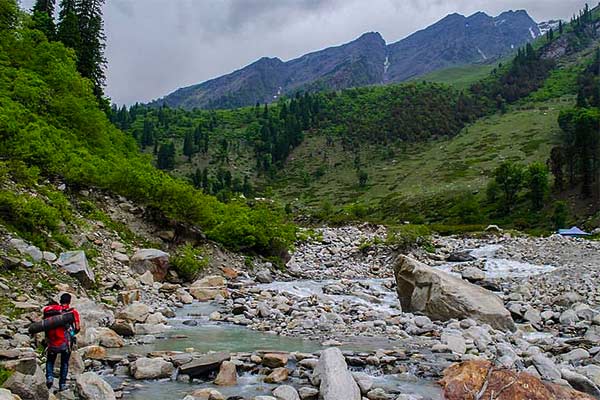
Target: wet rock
x,y
153,260
278,375
460,256
151,368
442,296
285,392
76,264
333,378
227,374
207,394
308,393
90,386
204,365
462,380
275,360
377,394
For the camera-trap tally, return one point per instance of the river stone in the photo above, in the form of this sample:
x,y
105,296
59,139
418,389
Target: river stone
x,y
76,264
278,375
285,392
208,288
93,352
546,367
109,338
135,312
153,260
151,368
333,378
227,374
569,317
473,274
455,342
576,355
581,383
377,394
147,278
204,365
274,360
592,372
442,296
5,394
28,387
206,394
364,381
460,256
150,329
90,386
264,276
308,393
123,328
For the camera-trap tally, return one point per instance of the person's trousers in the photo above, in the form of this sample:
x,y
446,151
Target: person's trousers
x,y
64,366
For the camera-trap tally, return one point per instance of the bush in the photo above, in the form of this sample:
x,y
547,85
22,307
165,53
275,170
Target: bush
x,y
407,237
4,375
188,261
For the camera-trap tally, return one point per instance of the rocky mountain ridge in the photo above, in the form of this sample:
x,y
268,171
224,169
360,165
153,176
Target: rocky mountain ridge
x,y
368,60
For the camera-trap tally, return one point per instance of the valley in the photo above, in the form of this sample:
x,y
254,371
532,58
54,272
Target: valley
x,y
383,229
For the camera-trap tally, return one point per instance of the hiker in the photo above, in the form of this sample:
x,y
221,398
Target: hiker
x,y
60,340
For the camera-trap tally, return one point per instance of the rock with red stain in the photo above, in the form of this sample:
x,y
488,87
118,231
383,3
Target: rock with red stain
x,y
465,381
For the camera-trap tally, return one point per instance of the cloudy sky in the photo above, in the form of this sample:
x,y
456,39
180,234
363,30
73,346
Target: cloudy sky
x,y
157,46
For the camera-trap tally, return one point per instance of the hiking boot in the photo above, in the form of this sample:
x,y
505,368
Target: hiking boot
x,y
62,388
49,384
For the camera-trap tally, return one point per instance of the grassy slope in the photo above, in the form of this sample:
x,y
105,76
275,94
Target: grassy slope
x,y
433,169
460,77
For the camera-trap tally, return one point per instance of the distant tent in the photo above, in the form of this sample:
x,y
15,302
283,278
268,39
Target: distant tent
x,y
572,232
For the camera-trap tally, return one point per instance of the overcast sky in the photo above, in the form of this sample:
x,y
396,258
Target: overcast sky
x,y
157,46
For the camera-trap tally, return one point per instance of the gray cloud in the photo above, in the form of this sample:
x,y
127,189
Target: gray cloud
x,y
157,46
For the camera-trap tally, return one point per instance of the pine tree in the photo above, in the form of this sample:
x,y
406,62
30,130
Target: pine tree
x,y
68,25
91,61
43,17
166,156
188,146
560,27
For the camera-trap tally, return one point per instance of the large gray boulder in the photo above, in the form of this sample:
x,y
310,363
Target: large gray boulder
x,y
76,264
90,386
151,368
442,296
333,378
153,260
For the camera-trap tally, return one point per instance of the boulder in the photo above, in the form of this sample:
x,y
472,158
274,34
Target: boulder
x,y
93,352
123,328
442,296
333,378
136,312
462,380
153,260
206,394
151,368
264,276
275,360
581,383
76,264
109,338
227,374
90,386
204,365
209,288
28,387
285,392
278,375
308,393
546,367
93,314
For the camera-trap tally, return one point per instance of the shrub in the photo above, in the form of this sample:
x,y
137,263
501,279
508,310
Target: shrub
x,y
188,261
407,237
4,375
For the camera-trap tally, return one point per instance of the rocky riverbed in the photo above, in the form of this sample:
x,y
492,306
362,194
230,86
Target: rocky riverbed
x,y
264,332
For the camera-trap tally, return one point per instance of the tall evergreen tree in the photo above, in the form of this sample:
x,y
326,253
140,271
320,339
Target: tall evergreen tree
x,y
68,25
188,146
43,17
91,61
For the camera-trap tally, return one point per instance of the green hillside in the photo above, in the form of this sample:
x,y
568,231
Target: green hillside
x,y
461,77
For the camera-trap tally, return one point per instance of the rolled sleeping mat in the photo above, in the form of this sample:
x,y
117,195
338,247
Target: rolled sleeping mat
x,y
51,322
